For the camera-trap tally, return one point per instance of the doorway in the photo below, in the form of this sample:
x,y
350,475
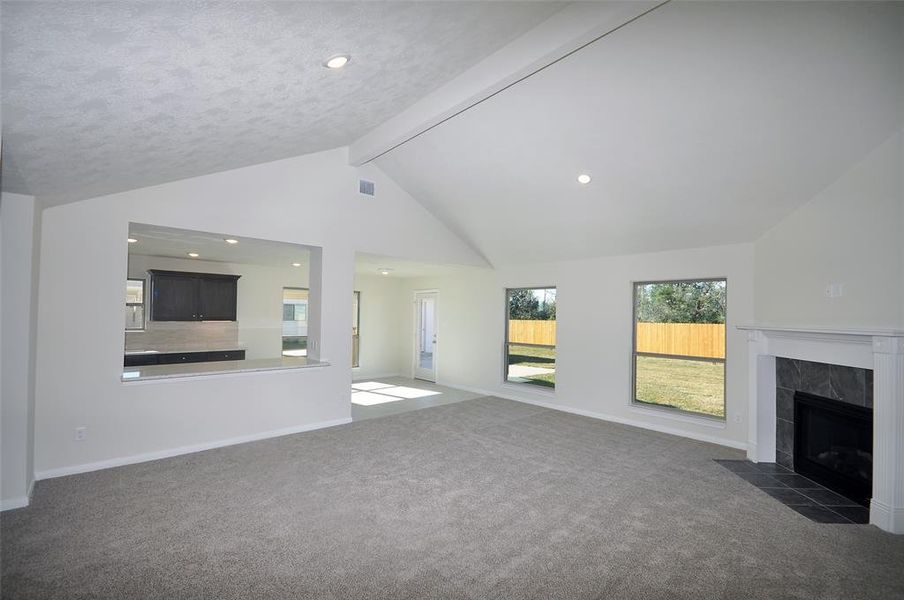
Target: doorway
x,y
425,347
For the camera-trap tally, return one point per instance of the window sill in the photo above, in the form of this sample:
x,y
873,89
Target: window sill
x,y
181,371
675,415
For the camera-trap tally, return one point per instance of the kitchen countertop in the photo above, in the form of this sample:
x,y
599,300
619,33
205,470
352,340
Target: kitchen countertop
x,y
151,372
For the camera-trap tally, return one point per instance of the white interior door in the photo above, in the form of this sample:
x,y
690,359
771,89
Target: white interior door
x,y
425,335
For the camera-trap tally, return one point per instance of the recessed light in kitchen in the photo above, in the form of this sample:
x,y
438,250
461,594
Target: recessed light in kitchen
x,y
337,62
583,178
194,254
296,264
133,240
231,241
384,271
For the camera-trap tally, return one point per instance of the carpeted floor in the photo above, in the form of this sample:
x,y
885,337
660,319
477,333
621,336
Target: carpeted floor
x,y
481,499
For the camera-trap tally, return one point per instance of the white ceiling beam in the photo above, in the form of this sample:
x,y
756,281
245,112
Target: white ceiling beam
x,y
568,30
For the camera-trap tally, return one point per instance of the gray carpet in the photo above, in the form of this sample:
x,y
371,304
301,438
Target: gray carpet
x,y
482,499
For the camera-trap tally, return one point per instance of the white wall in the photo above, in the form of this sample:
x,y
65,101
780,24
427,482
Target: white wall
x,y
259,299
20,221
383,312
594,310
312,200
850,233
309,200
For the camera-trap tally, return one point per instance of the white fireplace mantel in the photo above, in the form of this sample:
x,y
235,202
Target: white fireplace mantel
x,y
881,350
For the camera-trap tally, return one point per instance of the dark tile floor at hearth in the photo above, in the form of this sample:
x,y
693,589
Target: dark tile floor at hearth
x,y
798,493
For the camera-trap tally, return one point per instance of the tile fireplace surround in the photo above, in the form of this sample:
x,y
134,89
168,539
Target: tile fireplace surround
x,y
879,350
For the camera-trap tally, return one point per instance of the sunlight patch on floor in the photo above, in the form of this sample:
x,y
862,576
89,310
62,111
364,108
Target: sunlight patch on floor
x,y
369,393
367,386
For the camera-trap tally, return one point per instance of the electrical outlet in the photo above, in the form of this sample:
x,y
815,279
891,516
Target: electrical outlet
x,y
81,433
834,290
738,418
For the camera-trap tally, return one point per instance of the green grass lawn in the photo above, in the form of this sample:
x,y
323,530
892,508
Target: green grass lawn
x,y
535,356
294,343
691,385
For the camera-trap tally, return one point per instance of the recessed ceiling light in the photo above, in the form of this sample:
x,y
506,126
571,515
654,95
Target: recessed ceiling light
x,y
194,254
133,241
384,270
231,241
337,62
583,178
296,264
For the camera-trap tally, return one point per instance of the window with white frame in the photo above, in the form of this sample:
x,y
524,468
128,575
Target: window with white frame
x,y
679,345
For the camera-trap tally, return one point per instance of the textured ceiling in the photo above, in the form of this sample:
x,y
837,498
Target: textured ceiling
x,y
702,123
101,97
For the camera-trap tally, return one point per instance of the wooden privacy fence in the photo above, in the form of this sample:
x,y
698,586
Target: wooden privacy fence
x,y
704,340
538,333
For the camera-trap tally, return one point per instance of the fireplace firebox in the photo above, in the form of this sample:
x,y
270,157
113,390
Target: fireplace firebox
x,y
833,445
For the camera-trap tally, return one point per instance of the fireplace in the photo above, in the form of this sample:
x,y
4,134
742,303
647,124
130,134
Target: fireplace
x,y
833,444
770,425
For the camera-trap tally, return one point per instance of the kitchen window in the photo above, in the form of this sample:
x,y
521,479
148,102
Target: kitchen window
x,y
134,304
295,322
356,331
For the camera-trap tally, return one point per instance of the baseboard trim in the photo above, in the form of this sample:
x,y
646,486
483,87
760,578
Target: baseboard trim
x,y
711,439
20,502
356,378
886,517
12,503
752,453
149,456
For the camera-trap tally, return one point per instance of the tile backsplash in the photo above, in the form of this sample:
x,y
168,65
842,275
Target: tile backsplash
x,y
184,336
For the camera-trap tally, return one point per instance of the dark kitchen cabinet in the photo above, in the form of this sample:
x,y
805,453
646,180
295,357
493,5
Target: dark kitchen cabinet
x,y
174,296
141,360
217,298
218,355
182,296
171,358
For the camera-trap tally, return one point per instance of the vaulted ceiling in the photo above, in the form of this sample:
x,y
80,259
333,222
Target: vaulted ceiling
x,y
701,123
101,97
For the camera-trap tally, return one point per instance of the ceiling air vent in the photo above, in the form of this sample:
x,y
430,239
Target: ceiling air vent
x,y
366,187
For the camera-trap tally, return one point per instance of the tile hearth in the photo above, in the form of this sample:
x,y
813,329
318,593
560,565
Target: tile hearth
x,y
799,493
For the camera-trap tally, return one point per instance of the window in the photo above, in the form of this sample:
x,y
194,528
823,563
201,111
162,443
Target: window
x,y
679,345
530,336
134,304
356,336
295,322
